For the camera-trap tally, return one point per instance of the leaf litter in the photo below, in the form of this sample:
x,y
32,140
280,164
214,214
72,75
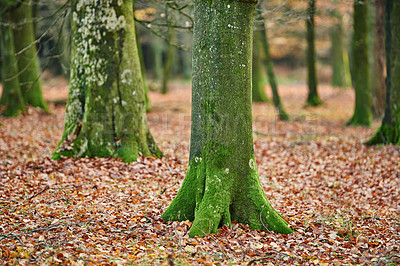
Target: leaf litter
x,y
340,196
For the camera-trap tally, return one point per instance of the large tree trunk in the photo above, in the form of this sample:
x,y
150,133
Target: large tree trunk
x,y
362,112
379,70
25,47
106,109
389,132
258,77
313,98
222,182
11,99
271,76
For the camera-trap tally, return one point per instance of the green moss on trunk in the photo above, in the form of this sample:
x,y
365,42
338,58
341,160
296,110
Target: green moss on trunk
x,y
389,132
313,98
25,47
362,112
106,109
222,182
11,99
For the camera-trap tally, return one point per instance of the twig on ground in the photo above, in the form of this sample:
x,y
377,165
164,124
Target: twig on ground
x,y
50,227
54,201
263,258
70,187
37,194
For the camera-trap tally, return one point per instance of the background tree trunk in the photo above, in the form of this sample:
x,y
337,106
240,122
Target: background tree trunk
x,y
157,47
222,182
11,99
379,70
337,50
25,47
142,69
106,109
389,132
313,98
258,77
271,76
362,112
169,59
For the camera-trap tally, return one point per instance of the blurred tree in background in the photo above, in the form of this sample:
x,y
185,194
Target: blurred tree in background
x,y
389,131
313,98
21,67
362,111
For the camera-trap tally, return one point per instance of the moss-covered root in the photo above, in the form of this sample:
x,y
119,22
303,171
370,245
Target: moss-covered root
x,y
213,198
250,206
184,203
386,134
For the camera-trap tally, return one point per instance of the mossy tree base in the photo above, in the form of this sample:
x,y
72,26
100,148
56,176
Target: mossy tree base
x,y
283,116
313,100
222,183
386,135
214,194
389,131
106,108
360,119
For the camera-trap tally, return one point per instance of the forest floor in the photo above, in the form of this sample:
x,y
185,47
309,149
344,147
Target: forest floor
x,y
341,196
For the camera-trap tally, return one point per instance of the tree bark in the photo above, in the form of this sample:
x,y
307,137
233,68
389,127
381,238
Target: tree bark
x,y
11,100
362,112
222,183
313,98
389,131
106,109
25,47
